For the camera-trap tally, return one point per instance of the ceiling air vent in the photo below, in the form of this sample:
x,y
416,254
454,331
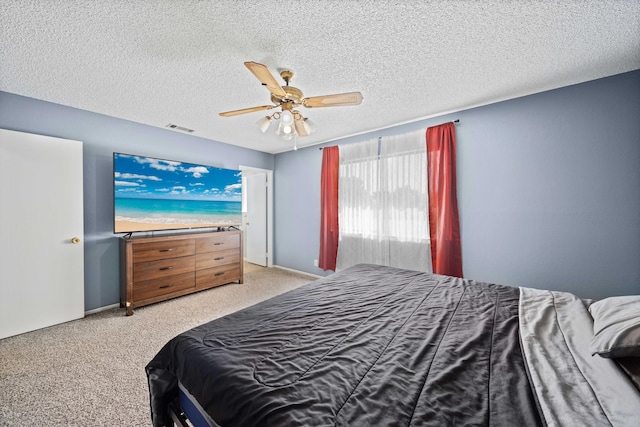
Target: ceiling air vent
x,y
180,128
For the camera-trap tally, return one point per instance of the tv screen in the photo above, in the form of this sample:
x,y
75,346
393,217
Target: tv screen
x,y
154,194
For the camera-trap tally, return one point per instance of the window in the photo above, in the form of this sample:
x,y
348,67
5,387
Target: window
x,y
383,203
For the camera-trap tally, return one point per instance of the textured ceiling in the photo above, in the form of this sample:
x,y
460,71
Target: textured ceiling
x,y
166,61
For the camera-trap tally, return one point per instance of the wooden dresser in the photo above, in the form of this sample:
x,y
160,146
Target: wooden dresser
x,y
154,269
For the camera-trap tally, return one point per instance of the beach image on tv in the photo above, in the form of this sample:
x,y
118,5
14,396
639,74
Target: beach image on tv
x,y
154,194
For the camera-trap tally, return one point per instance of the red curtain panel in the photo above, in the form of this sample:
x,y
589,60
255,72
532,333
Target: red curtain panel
x,y
329,208
444,223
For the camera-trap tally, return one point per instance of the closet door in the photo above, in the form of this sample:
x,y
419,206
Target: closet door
x,y
41,232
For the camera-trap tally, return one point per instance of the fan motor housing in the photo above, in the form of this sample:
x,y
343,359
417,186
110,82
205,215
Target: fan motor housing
x,y
294,95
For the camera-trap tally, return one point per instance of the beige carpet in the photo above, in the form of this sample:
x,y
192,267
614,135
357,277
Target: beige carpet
x,y
90,372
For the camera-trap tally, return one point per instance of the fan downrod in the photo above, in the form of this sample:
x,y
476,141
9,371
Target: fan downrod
x,y
286,75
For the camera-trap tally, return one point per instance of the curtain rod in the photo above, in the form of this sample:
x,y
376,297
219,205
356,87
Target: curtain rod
x,y
453,121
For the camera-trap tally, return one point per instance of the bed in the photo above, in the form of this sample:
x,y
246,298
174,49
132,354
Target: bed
x,y
374,345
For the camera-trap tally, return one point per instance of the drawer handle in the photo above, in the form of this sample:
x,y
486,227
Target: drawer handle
x,y
219,274
219,258
166,286
218,243
166,268
165,250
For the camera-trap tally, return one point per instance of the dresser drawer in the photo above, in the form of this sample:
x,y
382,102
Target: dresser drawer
x,y
215,259
218,243
165,285
165,267
161,250
217,275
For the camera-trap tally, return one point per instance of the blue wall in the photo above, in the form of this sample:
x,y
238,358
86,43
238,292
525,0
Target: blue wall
x,y
548,185
102,135
548,190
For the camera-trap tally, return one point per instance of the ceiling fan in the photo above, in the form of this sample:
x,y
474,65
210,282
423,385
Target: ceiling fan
x,y
289,98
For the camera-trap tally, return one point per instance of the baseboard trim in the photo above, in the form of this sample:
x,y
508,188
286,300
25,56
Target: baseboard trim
x,y
99,309
297,271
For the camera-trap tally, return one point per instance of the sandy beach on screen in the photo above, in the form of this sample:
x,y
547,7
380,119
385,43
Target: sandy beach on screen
x,y
131,226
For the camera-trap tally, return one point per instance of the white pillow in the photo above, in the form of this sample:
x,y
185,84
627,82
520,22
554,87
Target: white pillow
x,y
616,327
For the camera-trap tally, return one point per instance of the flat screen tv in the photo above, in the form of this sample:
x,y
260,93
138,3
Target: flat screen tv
x,y
154,194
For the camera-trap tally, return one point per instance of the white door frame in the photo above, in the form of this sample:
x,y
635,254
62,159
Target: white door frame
x,y
248,170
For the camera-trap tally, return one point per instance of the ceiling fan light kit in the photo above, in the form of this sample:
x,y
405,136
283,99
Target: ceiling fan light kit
x,y
264,123
292,123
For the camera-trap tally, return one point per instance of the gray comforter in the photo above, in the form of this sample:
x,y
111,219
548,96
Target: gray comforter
x,y
366,346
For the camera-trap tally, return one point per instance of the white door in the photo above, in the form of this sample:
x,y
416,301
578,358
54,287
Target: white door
x,y
256,223
41,229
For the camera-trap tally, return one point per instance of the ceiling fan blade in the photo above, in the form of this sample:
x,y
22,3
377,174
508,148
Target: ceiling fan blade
x,y
350,98
247,110
266,78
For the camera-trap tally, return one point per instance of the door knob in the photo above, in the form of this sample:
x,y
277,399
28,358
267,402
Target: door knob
x,y
75,240
247,223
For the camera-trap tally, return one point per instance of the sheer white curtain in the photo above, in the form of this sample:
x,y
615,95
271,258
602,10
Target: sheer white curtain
x,y
383,203
358,220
